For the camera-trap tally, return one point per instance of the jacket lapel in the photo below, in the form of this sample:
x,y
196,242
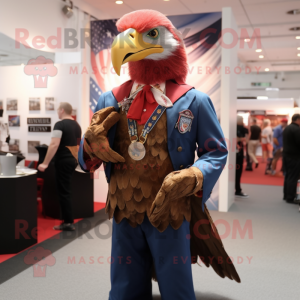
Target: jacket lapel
x,y
123,90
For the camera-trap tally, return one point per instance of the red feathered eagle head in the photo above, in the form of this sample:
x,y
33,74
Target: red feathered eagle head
x,y
152,47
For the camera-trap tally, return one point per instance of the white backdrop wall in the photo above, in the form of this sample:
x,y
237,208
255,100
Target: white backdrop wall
x,y
42,18
228,113
14,83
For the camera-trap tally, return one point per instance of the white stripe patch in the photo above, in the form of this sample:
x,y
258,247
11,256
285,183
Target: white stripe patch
x,y
57,134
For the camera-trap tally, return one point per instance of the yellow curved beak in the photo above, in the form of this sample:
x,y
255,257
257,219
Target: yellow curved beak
x,y
130,46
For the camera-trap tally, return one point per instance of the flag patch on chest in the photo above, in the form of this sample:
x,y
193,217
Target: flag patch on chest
x,y
184,122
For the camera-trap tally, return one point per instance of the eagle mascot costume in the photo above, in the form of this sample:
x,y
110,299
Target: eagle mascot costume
x,y
146,133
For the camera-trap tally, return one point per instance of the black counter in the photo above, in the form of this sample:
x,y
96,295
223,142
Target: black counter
x,y
18,213
82,194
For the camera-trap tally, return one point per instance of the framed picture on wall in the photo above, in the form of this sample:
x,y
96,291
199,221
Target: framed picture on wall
x,y
14,145
49,103
34,104
32,145
74,114
12,104
1,104
14,121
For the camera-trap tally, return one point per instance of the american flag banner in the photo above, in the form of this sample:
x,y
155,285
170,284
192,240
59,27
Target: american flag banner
x,y
103,77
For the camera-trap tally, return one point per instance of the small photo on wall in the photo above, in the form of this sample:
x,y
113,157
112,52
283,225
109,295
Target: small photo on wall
x,y
34,104
14,145
74,114
12,104
14,121
32,145
49,103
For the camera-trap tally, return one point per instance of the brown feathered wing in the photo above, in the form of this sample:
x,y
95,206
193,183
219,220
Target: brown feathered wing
x,y
206,243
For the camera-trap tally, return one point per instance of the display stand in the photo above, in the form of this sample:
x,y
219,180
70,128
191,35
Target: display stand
x,y
18,213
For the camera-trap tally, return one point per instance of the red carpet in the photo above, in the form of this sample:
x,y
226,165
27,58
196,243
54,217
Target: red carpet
x,y
45,227
257,176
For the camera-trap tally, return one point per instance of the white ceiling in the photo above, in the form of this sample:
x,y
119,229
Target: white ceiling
x,y
270,16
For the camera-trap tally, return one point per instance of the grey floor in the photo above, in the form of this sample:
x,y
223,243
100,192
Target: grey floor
x,y
273,273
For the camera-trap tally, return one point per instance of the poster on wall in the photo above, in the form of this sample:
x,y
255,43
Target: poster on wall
x,y
34,104
49,103
201,33
39,128
14,145
32,145
38,120
14,121
11,104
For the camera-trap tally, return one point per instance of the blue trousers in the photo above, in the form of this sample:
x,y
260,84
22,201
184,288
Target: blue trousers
x,y
133,252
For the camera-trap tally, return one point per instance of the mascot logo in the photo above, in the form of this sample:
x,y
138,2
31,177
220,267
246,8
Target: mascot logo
x,y
39,258
40,68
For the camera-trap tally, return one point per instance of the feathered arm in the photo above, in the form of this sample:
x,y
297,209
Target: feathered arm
x,y
94,147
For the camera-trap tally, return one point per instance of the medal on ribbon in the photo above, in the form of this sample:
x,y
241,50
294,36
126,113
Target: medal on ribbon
x,y
136,149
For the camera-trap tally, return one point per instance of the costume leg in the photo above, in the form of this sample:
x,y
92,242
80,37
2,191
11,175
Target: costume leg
x,y
172,259
131,264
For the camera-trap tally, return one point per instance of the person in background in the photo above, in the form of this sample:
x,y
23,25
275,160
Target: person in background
x,y
66,132
255,135
266,143
278,144
291,158
241,139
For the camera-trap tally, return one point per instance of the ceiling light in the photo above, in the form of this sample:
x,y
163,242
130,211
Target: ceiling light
x,y
68,9
247,40
261,56
294,12
298,37
267,69
295,28
262,97
119,2
272,89
258,50
298,54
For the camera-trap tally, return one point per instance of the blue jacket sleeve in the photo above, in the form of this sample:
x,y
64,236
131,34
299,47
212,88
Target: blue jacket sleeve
x,y
212,150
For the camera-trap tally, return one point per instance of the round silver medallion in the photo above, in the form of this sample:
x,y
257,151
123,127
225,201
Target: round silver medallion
x,y
137,151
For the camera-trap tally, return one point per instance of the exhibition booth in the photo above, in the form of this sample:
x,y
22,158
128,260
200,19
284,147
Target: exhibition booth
x,y
261,108
273,109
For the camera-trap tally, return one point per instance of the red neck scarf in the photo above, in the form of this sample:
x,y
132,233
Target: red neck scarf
x,y
142,106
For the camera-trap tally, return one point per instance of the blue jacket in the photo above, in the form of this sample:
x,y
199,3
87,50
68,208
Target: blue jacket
x,y
205,132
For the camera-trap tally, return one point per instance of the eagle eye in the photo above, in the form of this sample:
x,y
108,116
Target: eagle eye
x,y
153,33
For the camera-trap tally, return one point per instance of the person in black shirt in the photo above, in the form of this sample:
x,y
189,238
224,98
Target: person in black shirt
x,y
66,132
254,139
241,138
291,158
